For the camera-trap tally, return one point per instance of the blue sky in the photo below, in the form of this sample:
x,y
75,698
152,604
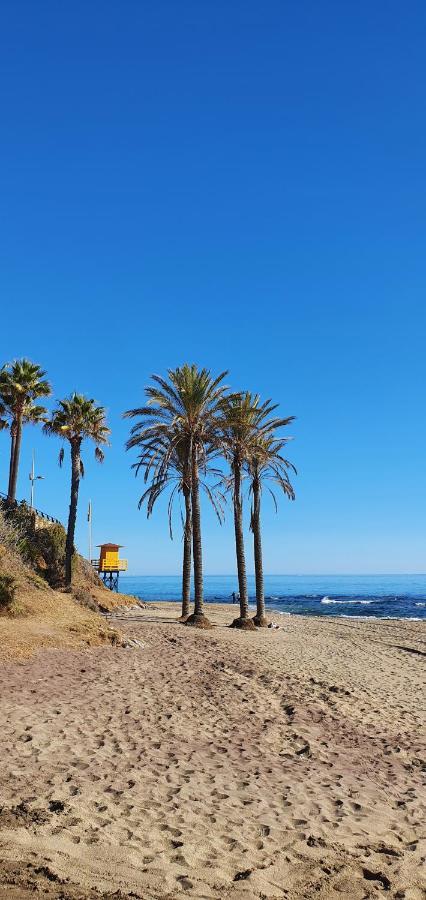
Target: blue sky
x,y
242,185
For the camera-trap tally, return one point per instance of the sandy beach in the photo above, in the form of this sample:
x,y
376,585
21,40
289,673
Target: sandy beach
x,y
219,764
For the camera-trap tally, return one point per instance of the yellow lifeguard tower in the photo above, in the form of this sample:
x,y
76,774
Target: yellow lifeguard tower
x,y
109,564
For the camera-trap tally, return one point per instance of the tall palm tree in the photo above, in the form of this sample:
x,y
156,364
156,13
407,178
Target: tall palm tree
x,y
238,422
266,463
165,471
75,419
21,384
183,409
245,422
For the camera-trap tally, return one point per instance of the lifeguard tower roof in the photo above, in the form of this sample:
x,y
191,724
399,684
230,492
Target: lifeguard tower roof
x,y
111,546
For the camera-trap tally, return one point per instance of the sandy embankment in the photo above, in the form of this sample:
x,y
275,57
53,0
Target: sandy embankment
x,y
217,764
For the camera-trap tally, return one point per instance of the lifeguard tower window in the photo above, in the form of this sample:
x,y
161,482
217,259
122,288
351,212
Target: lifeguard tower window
x,y
109,565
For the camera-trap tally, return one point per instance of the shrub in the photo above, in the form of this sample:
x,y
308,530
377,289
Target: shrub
x,y
7,591
19,517
12,531
84,598
85,572
45,550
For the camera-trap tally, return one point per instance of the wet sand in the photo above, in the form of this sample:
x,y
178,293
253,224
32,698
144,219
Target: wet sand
x,y
219,764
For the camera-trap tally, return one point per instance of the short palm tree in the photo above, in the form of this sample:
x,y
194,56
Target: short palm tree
x,y
75,419
266,463
164,471
21,384
182,410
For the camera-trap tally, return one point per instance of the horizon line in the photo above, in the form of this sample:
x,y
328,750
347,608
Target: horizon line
x,y
290,575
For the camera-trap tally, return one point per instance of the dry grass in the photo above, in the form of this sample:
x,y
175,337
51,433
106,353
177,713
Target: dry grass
x,y
109,600
51,619
40,617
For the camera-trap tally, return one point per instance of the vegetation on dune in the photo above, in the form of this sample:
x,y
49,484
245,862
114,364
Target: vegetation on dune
x,y
41,548
13,568
17,536
32,614
7,592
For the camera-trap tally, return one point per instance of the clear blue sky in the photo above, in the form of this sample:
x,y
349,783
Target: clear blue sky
x,y
242,185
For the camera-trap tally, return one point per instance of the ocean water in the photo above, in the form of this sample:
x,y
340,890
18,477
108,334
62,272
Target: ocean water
x,y
363,596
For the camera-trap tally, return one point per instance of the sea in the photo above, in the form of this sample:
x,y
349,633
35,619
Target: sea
x,y
346,596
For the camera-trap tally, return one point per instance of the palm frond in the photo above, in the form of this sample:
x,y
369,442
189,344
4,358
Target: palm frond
x,y
21,384
174,427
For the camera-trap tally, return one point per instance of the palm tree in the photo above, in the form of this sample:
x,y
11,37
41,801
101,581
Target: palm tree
x,y
245,423
266,463
172,471
21,383
75,419
238,425
183,410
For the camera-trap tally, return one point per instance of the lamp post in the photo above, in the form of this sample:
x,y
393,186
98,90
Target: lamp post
x,y
33,477
89,519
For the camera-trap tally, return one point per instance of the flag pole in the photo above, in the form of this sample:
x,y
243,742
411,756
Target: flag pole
x,y
32,479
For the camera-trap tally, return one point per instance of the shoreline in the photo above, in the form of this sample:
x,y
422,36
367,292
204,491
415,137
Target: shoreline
x,y
271,610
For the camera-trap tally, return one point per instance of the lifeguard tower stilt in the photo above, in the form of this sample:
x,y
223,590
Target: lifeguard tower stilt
x,y
109,565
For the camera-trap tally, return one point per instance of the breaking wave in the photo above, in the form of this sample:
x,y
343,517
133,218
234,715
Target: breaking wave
x,y
346,602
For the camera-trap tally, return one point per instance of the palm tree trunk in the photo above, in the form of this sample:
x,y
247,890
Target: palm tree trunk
x,y
187,556
243,621
260,618
197,618
75,484
12,456
14,459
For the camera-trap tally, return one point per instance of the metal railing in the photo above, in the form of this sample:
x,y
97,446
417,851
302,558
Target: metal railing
x,y
37,512
119,566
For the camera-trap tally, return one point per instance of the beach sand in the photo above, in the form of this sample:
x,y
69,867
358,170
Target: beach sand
x,y
217,764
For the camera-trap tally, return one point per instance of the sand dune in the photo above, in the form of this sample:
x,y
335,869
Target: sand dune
x,y
218,764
